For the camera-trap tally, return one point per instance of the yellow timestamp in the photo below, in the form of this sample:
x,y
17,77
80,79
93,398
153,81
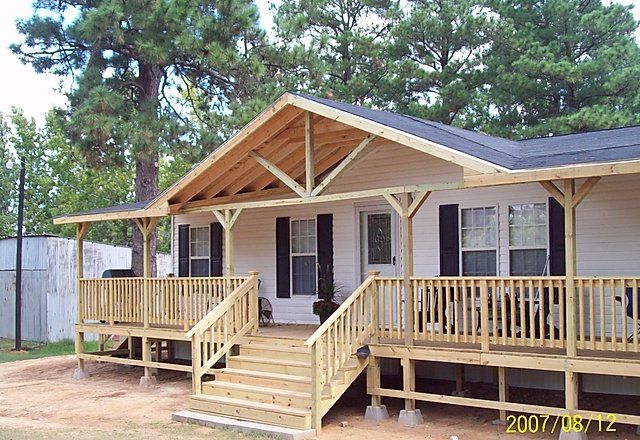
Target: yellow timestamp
x,y
545,423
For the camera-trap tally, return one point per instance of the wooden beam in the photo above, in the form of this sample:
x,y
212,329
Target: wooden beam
x,y
553,190
395,204
284,177
577,171
234,217
310,175
407,266
584,189
323,198
503,391
346,162
220,216
418,201
109,216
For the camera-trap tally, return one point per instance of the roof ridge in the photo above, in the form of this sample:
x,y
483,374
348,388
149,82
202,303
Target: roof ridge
x,y
555,136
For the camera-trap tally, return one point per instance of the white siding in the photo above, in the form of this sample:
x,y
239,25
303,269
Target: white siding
x,y
608,223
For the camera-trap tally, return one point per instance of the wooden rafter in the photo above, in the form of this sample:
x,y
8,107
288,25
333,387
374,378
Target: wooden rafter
x,y
284,177
346,162
199,178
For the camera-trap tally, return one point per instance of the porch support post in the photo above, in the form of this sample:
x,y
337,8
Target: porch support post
x,y
408,367
503,391
571,378
309,152
81,231
146,226
229,267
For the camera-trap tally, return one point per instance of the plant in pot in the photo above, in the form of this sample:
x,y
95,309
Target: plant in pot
x,y
327,292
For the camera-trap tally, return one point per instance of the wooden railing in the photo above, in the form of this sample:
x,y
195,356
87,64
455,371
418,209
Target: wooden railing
x,y
608,310
216,333
338,338
167,301
514,311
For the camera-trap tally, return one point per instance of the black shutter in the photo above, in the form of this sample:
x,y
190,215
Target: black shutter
x,y
449,241
324,237
183,250
216,249
556,238
283,269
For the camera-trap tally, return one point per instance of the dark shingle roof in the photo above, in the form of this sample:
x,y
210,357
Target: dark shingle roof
x,y
580,148
115,208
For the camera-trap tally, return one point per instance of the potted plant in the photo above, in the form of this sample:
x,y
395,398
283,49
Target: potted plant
x,y
327,291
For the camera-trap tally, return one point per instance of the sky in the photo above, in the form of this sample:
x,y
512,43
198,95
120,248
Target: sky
x,y
36,93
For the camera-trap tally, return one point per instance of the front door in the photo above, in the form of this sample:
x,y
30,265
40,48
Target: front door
x,y
378,232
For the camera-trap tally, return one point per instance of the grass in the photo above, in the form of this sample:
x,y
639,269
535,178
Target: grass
x,y
36,350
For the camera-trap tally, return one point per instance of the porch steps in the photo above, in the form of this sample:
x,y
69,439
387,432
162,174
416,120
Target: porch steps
x,y
269,382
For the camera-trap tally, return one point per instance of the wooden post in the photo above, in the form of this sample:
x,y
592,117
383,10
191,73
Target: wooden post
x,y
196,363
408,367
503,390
309,152
373,369
484,315
146,355
81,231
571,378
253,302
409,381
316,387
228,244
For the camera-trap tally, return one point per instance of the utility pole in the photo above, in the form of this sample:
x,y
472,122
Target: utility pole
x,y
19,257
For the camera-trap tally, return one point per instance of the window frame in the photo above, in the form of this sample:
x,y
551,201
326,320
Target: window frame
x,y
495,249
208,257
303,254
524,248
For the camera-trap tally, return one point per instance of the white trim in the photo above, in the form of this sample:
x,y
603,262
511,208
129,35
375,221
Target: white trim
x,y
304,254
462,249
208,257
517,248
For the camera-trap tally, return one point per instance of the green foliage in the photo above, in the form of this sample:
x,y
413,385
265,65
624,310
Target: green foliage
x,y
334,48
439,48
560,66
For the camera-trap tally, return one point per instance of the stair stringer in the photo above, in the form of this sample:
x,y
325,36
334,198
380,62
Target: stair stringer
x,y
339,387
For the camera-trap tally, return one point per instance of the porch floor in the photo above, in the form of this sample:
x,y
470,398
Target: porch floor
x,y
288,331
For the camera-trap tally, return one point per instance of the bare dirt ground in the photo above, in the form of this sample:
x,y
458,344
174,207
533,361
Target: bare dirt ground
x,y
39,399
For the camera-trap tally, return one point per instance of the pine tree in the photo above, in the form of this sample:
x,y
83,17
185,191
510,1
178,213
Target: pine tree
x,y
333,48
440,47
562,66
128,59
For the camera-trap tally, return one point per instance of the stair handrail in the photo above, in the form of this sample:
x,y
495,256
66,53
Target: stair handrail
x,y
321,371
214,335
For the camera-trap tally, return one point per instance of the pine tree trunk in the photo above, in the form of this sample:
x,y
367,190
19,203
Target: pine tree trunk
x,y
146,164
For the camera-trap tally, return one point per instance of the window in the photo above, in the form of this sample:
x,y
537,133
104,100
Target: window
x,y
199,249
303,257
479,231
379,238
528,239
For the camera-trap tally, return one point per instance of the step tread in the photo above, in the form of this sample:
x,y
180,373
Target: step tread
x,y
264,360
265,374
255,388
278,347
271,407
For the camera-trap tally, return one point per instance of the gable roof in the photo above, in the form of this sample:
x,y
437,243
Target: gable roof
x,y
277,130
613,144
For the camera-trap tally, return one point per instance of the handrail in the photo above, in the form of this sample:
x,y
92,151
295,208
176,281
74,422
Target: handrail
x,y
339,311
215,334
220,309
335,341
